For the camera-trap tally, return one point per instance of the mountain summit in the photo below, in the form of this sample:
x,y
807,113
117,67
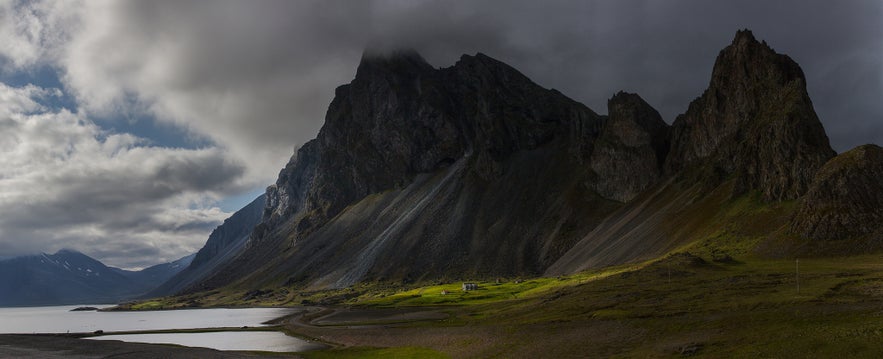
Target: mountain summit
x,y
755,122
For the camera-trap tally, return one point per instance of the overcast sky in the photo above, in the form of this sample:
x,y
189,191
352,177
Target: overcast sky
x,y
129,130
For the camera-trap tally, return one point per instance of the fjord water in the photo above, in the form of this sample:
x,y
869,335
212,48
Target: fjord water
x,y
60,319
263,341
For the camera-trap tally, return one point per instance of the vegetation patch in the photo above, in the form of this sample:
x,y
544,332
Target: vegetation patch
x,y
368,352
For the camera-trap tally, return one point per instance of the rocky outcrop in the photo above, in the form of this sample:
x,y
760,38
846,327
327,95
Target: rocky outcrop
x,y
629,154
754,123
846,198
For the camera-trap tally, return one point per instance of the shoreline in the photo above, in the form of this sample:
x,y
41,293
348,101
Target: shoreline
x,y
79,344
52,346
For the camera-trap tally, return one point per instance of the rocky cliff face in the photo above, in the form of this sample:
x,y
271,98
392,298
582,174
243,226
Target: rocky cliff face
x,y
400,117
755,122
448,164
631,149
846,198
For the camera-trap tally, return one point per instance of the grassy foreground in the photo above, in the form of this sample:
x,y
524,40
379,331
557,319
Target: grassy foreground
x,y
702,304
680,305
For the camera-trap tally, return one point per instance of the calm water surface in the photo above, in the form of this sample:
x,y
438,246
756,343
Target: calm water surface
x,y
264,341
60,319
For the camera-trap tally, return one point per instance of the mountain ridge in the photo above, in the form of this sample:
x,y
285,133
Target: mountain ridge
x,y
71,277
474,171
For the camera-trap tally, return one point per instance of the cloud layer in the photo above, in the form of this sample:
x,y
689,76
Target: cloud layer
x,y
252,80
66,183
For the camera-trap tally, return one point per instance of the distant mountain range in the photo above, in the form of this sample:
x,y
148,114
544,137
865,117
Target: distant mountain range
x,y
70,277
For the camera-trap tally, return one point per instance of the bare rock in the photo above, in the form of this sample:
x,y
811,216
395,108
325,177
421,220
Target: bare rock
x,y
845,199
631,149
754,123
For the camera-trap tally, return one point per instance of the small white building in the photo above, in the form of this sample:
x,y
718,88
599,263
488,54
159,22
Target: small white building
x,y
469,286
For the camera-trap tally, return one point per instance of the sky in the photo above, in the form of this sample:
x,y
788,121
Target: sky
x,y
130,129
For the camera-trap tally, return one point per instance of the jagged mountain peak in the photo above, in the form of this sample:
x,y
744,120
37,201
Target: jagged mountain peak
x,y
755,121
749,65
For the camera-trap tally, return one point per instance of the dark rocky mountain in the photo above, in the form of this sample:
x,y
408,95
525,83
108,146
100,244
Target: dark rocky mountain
x,y
753,130
421,172
631,149
70,277
845,201
755,123
475,171
224,243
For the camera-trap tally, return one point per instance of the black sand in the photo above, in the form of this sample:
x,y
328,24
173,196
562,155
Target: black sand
x,y
58,346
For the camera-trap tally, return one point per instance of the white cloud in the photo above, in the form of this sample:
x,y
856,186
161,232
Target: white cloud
x,y
237,74
64,182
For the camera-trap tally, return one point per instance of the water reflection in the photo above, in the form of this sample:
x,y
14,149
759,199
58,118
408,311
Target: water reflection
x,y
61,320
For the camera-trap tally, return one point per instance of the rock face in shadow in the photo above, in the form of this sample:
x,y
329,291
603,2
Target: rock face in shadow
x,y
631,149
423,173
753,130
846,198
754,122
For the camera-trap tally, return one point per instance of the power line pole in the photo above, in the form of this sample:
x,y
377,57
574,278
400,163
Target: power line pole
x,y
797,273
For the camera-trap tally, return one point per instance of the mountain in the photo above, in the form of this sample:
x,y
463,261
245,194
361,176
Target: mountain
x,y
754,123
150,278
70,277
474,171
224,243
753,131
426,173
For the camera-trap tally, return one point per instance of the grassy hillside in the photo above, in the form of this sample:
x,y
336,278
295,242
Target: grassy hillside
x,y
724,294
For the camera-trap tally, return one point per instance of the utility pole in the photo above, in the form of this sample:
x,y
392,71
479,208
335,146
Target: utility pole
x,y
797,273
